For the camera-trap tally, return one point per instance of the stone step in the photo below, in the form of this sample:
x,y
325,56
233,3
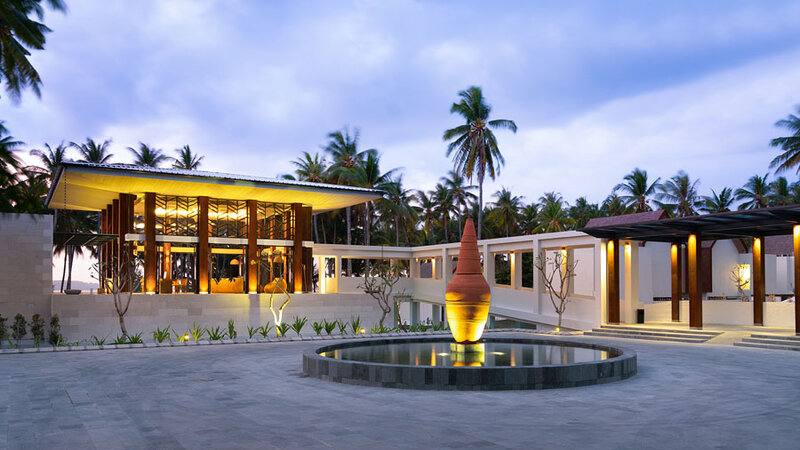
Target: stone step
x,y
667,330
645,337
786,342
766,346
644,332
776,336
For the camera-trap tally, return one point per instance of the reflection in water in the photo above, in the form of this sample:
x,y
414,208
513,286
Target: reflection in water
x,y
487,354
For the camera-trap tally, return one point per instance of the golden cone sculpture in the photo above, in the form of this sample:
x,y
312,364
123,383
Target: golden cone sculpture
x,y
467,295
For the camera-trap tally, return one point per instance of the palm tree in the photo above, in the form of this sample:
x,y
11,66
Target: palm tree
x,y
717,203
426,212
310,168
679,194
505,210
474,143
18,34
755,193
147,156
780,192
9,166
186,159
51,158
395,205
459,193
553,216
444,206
613,206
368,175
92,152
790,145
582,211
343,149
529,221
637,190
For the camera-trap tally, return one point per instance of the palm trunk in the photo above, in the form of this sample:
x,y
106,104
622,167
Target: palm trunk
x,y
366,223
70,254
460,228
397,231
64,272
316,231
444,219
349,242
480,204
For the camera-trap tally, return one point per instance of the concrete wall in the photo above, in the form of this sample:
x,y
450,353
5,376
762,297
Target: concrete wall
x,y
85,315
26,272
719,312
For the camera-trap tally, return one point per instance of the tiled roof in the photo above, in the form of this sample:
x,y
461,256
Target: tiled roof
x,y
626,219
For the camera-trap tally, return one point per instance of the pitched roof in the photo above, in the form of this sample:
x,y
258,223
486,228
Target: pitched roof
x,y
626,219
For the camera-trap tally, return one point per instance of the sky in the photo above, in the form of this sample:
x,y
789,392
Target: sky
x,y
596,88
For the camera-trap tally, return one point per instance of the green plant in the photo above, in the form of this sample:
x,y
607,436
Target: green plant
x,y
10,344
37,329
231,330
135,338
378,328
161,335
94,340
441,326
55,330
264,331
181,337
282,329
19,329
342,327
298,324
215,334
3,330
329,326
252,331
355,324
119,340
197,332
317,328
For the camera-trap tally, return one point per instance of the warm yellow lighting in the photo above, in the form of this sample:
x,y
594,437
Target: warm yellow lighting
x,y
558,329
252,292
150,293
796,231
186,337
204,292
234,262
744,275
363,331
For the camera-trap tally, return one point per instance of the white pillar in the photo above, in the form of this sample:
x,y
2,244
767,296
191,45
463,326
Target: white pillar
x,y
516,269
631,302
337,273
447,267
488,265
537,285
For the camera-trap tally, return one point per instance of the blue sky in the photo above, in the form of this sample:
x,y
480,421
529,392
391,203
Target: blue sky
x,y
596,88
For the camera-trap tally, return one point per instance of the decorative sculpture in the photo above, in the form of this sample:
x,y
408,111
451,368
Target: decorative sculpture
x,y
467,295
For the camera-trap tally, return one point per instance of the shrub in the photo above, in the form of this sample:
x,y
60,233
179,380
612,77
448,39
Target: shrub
x,y
378,328
329,326
161,335
19,329
215,334
252,331
3,330
120,340
37,329
355,324
282,329
231,330
98,341
135,338
317,328
197,332
55,330
264,331
342,326
298,324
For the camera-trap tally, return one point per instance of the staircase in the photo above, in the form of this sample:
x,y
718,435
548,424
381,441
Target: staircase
x,y
654,334
770,341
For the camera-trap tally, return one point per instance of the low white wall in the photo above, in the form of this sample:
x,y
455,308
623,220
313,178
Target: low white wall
x,y
718,312
83,316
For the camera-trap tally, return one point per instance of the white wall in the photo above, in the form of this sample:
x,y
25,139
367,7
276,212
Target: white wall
x,y
26,265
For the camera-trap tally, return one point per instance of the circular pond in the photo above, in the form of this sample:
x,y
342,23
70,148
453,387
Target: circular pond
x,y
492,364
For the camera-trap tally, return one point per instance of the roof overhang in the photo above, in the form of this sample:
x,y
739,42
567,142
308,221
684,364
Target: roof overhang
x,y
91,187
774,221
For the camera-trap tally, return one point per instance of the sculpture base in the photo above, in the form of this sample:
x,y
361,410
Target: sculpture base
x,y
468,355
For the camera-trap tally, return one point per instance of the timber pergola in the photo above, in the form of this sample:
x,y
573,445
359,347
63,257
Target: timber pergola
x,y
691,231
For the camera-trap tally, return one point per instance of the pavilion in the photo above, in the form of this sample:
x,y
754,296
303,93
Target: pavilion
x,y
690,231
199,232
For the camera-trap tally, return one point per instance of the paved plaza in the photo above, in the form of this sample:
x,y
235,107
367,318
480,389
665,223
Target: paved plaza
x,y
254,396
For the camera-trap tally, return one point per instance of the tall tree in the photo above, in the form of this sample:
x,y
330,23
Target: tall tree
x,y
474,143
396,206
444,207
459,193
582,211
20,33
717,203
186,159
529,218
147,156
613,206
553,215
368,175
679,194
312,169
506,210
92,152
755,193
637,190
51,158
780,192
426,211
9,165
790,145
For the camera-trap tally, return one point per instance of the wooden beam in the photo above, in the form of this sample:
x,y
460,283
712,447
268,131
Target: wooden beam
x,y
297,253
252,246
694,263
758,281
150,250
202,245
677,284
612,280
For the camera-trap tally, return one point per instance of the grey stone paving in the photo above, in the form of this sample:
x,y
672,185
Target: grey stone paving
x,y
253,396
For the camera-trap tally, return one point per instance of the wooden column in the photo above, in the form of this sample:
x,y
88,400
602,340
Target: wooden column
x,y
115,230
297,253
103,256
694,263
758,282
677,284
252,246
612,280
150,249
202,245
125,251
308,253
796,234
166,260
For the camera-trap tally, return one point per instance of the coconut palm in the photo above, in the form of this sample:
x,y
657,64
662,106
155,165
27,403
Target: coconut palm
x,y
395,205
637,190
582,211
717,203
368,175
529,218
679,195
790,145
426,211
9,166
459,193
506,210
310,168
19,33
755,193
553,216
92,152
186,159
780,192
613,206
147,156
51,158
444,207
474,143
